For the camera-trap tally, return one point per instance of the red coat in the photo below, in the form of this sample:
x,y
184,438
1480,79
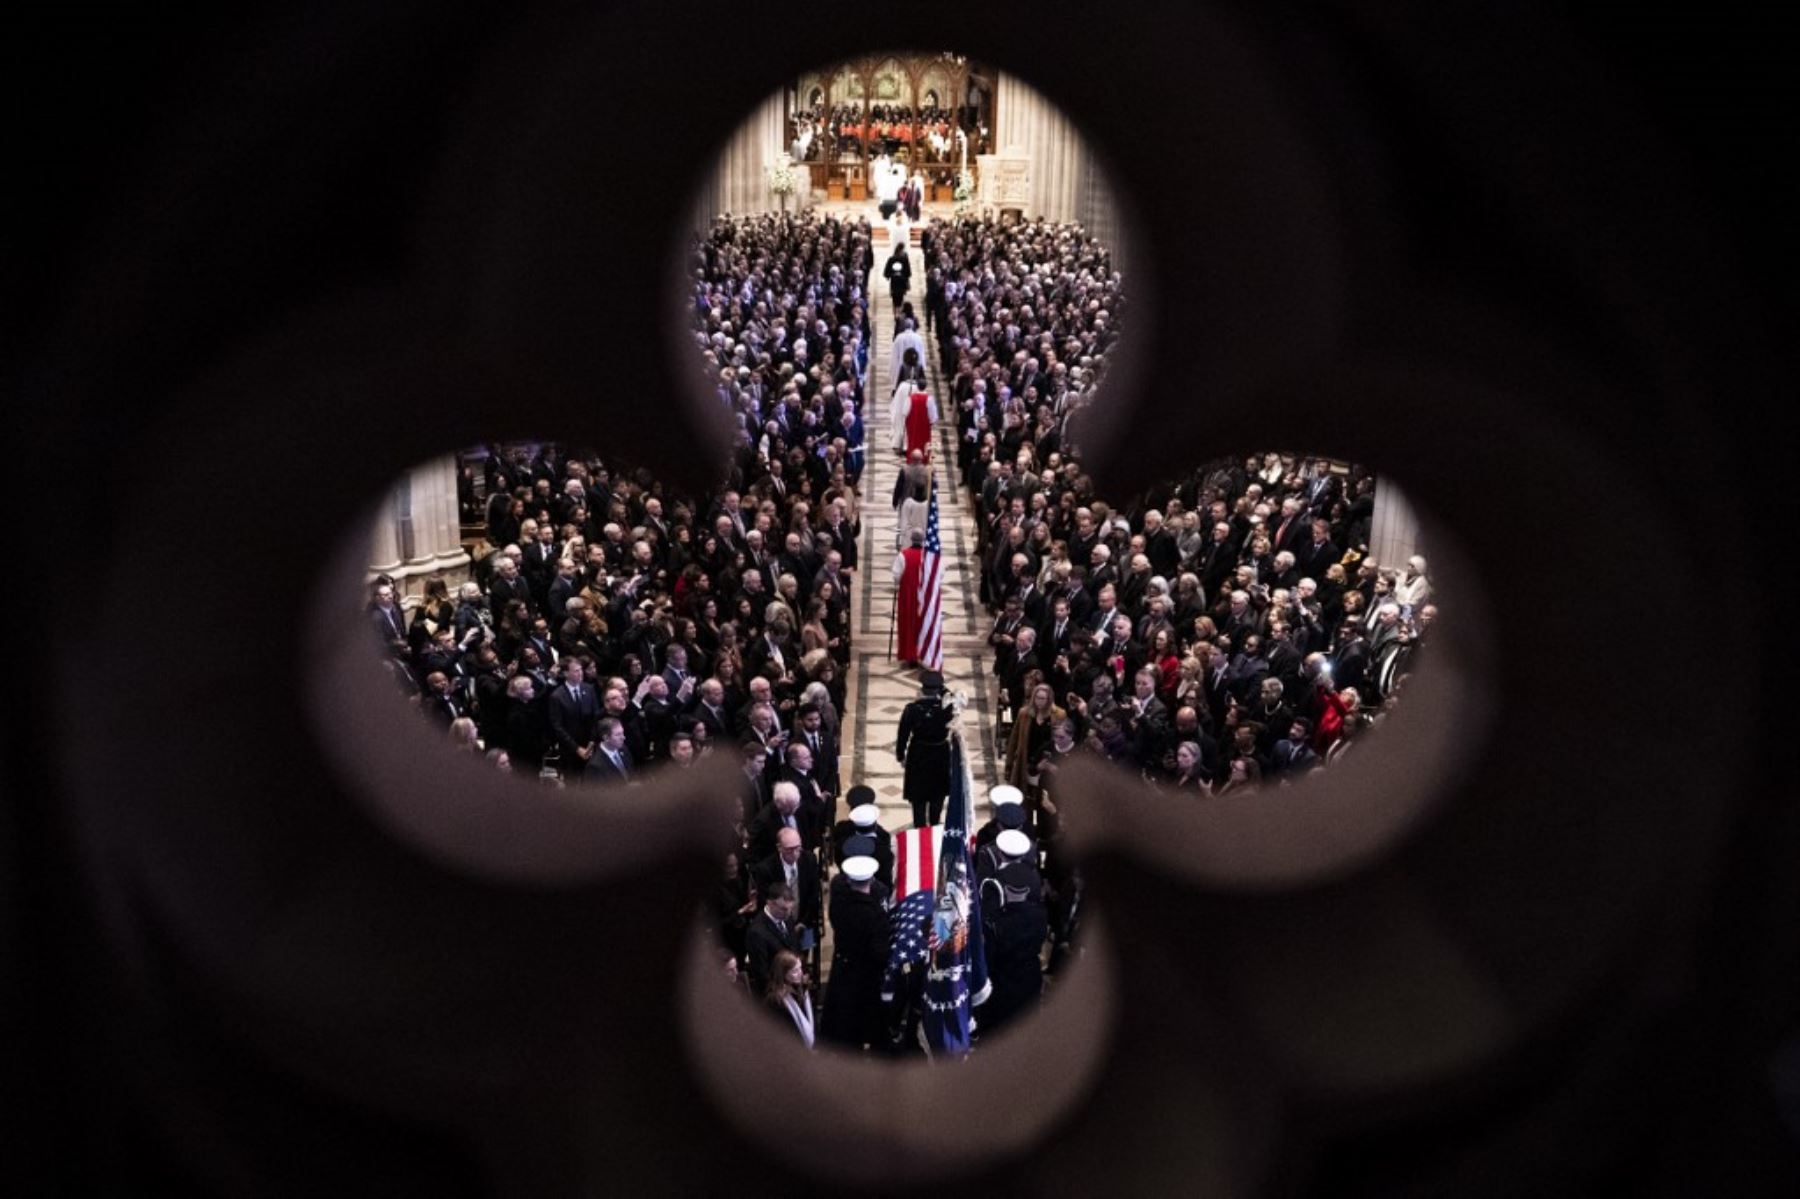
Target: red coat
x,y
906,604
1331,723
918,426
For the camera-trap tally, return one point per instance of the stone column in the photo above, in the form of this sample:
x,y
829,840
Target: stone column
x,y
428,496
1394,527
384,543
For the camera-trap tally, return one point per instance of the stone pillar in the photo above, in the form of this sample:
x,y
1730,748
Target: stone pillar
x,y
384,543
1394,527
428,497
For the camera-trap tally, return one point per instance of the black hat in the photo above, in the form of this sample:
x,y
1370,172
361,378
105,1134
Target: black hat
x,y
860,846
859,795
931,680
1010,815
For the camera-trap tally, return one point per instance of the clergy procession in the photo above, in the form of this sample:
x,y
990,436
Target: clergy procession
x,y
1209,634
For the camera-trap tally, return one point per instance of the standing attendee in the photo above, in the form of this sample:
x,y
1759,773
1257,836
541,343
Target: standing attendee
x,y
787,996
771,932
573,712
799,870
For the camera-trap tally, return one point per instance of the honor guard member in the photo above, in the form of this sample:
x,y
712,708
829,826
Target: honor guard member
x,y
924,749
1001,798
989,858
864,820
1015,925
860,931
861,846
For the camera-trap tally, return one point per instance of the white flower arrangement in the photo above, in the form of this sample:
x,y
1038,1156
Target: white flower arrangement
x,y
964,195
783,179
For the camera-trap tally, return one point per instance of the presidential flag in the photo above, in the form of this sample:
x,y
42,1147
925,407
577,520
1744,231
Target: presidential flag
x,y
931,592
956,975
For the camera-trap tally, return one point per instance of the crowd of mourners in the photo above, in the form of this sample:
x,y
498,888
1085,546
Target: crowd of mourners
x,y
1210,633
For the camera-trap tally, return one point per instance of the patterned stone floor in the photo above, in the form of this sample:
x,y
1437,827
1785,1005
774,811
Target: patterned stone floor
x,y
879,687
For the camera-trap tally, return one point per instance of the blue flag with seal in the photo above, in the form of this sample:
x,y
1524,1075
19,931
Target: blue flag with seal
x,y
956,978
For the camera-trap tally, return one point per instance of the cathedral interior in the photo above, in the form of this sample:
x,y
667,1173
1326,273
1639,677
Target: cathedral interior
x,y
285,269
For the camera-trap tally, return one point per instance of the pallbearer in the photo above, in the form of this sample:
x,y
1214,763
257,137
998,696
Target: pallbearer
x,y
860,931
1012,909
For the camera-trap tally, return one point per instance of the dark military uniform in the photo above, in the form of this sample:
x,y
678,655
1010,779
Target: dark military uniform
x,y
860,930
924,747
883,853
1014,927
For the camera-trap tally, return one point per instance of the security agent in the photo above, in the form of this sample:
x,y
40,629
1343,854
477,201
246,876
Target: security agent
x,y
924,749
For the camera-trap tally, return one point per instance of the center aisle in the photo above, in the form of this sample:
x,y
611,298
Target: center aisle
x,y
879,687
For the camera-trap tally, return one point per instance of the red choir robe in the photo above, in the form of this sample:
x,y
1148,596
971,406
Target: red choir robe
x,y
906,604
918,426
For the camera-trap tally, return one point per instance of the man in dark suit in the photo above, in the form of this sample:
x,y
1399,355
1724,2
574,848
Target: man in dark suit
x,y
1218,558
1053,636
792,865
784,810
574,710
771,930
1350,664
1321,489
812,736
675,672
1317,554
389,621
1005,635
441,700
817,803
1293,755
611,762
1290,533
565,587
508,585
1106,607
709,710
541,557
753,784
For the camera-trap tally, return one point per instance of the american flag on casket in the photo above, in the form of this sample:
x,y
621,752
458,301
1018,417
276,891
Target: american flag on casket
x,y
957,980
916,860
909,944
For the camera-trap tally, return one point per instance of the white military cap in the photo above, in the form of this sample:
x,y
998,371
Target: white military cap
x,y
860,869
864,815
1012,843
1005,793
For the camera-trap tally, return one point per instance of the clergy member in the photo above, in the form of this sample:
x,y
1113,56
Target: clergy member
x,y
909,571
